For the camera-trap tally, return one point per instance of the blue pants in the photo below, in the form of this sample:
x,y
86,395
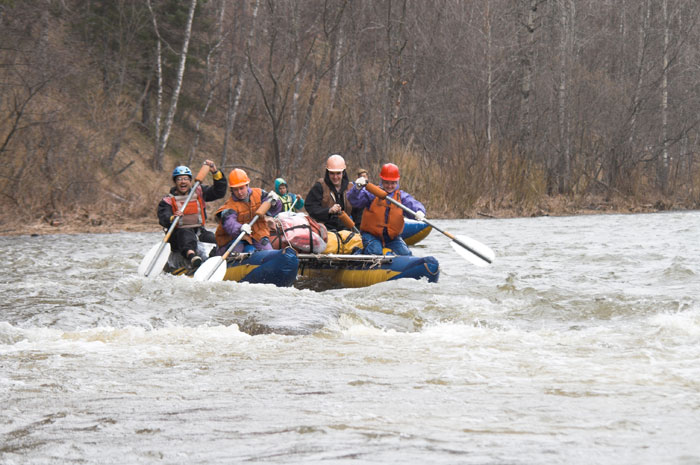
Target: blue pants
x,y
373,245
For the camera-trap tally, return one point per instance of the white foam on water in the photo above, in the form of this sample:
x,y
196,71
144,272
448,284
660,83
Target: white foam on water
x,y
578,345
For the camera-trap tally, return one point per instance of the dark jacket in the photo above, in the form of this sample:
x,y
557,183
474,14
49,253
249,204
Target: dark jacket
x,y
210,193
317,206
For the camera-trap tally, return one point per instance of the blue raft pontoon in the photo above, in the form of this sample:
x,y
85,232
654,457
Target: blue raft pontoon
x,y
414,231
278,267
281,267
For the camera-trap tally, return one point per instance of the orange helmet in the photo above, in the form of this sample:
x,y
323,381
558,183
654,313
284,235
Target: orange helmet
x,y
238,178
390,172
335,163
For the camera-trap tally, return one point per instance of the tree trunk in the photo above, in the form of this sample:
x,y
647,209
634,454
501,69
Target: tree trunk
x,y
321,71
335,76
664,162
294,109
157,154
566,33
235,91
212,73
489,88
526,65
616,159
163,142
395,44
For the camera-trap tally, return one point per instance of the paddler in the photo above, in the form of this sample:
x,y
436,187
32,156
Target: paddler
x,y
290,202
191,226
328,196
239,210
382,221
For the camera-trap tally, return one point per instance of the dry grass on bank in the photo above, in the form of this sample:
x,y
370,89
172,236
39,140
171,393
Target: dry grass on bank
x,y
127,202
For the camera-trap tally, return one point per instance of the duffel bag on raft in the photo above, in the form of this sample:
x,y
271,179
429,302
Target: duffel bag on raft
x,y
343,242
297,230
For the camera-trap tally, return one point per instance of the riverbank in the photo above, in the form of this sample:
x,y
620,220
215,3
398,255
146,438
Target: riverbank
x,y
97,223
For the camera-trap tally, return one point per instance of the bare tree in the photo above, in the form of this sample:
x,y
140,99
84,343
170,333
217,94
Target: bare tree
x,y
235,91
162,142
273,79
664,160
566,15
489,102
211,81
527,70
331,24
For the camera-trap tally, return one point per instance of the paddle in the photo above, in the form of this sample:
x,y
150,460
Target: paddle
x,y
471,250
211,270
347,221
156,258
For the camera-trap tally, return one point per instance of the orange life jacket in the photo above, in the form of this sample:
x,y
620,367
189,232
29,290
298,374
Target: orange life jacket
x,y
246,212
383,214
193,216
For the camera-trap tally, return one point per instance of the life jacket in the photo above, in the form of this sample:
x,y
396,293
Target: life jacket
x,y
383,214
298,230
245,212
287,202
328,199
194,214
343,242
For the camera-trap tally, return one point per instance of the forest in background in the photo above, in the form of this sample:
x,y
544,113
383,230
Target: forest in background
x,y
486,105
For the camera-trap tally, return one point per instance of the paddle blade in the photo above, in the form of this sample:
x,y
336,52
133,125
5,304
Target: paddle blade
x,y
154,261
214,269
472,250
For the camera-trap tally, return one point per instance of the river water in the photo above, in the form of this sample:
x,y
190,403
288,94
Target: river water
x,y
579,345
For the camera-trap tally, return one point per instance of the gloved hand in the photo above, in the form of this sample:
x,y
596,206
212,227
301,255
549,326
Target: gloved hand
x,y
273,196
420,216
360,182
246,228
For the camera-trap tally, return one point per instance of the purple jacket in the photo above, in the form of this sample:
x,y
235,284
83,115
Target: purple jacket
x,y
362,198
229,217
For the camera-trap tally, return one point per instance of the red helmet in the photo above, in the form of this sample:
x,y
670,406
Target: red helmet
x,y
238,178
390,172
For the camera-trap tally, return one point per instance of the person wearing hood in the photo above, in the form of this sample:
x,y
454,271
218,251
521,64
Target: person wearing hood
x,y
235,215
290,202
382,221
328,196
191,226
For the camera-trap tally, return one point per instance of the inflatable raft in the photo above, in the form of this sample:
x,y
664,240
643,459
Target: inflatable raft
x,y
278,267
414,231
366,270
